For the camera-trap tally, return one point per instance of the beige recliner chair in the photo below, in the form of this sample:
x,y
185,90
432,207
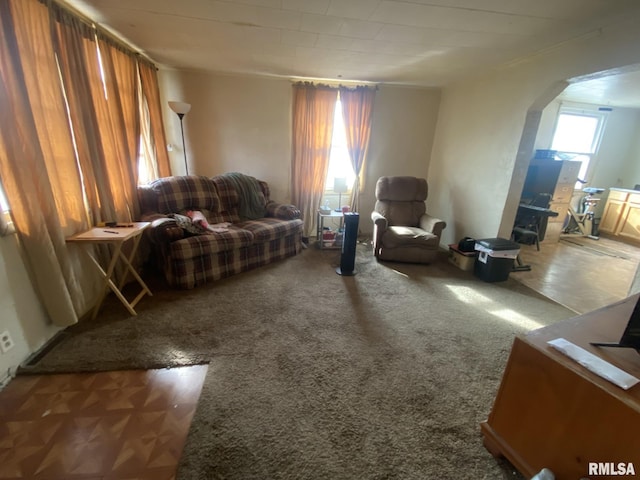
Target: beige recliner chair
x,y
402,230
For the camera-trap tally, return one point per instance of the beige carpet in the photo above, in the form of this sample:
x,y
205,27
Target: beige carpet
x,y
386,374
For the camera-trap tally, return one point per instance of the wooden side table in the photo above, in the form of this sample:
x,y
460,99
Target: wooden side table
x,y
117,237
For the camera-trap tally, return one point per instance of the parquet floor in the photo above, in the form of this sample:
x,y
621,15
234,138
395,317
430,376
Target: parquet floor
x,y
109,425
580,273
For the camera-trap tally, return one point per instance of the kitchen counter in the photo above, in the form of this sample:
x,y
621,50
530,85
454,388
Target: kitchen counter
x,y
625,190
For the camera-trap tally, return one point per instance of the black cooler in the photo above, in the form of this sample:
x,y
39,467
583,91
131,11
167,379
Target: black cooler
x,y
495,259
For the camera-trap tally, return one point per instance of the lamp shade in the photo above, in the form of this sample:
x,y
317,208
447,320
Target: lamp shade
x,y
340,185
180,107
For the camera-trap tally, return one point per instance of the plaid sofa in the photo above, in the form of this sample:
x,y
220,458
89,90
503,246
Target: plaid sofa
x,y
189,260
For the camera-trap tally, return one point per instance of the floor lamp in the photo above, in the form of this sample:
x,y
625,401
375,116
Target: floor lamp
x,y
182,108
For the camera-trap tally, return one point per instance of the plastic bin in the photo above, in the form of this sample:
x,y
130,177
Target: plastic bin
x,y
495,259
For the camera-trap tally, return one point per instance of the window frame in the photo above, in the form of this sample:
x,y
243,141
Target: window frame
x,y
596,112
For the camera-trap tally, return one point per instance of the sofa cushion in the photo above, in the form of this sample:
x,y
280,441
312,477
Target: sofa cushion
x,y
409,236
176,194
210,243
267,229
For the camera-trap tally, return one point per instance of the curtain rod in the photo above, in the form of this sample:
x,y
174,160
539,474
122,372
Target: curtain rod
x,y
99,29
332,82
335,86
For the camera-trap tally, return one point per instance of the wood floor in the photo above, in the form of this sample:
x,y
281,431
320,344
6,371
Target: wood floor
x,y
580,273
112,425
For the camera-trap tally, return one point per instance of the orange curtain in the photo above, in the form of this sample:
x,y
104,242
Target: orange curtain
x,y
38,163
69,142
101,91
123,138
313,110
158,142
357,111
75,48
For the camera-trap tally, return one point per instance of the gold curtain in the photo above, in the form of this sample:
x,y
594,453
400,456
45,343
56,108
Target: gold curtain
x,y
313,110
151,92
103,105
357,111
69,142
74,45
123,139
38,164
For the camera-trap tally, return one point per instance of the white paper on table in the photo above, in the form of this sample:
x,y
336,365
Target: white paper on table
x,y
595,364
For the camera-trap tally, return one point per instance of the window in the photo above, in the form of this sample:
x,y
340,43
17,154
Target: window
x,y
339,159
577,137
6,224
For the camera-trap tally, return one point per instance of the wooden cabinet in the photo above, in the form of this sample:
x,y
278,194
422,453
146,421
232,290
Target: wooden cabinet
x,y
621,215
613,211
629,226
552,412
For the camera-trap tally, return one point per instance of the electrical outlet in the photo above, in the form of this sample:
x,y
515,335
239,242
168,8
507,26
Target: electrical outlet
x,y
6,342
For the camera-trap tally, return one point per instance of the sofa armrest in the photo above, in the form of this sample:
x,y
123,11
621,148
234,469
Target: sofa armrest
x,y
432,224
283,211
164,230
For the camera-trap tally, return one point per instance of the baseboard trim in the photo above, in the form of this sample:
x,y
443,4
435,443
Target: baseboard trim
x,y
36,356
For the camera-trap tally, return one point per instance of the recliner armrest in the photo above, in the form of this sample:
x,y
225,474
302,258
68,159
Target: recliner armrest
x,y
379,221
432,224
380,224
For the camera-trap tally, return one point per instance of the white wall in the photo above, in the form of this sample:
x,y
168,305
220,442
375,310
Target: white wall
x,y
238,123
631,173
21,313
472,171
243,123
402,130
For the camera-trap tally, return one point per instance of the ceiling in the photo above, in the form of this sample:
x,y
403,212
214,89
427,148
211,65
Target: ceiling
x,y
407,42
616,89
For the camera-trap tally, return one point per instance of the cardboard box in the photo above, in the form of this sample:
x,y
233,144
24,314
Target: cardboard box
x,y
463,260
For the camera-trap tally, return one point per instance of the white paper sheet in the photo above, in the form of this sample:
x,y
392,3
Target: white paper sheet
x,y
595,364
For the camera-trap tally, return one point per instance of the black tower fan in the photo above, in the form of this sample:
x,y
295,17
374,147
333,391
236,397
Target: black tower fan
x,y
348,257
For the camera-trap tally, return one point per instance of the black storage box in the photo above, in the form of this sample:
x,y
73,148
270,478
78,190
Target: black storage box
x,y
495,259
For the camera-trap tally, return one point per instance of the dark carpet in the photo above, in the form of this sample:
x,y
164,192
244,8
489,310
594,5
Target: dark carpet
x,y
312,375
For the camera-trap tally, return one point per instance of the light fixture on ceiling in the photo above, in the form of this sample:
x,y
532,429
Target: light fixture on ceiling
x,y
181,109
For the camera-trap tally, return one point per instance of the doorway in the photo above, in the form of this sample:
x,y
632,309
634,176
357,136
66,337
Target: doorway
x,y
581,273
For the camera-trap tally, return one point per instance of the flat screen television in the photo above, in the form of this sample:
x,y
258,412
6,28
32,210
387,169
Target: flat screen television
x,y
631,335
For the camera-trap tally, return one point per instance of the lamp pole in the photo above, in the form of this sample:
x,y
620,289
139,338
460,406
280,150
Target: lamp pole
x,y
181,109
184,149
